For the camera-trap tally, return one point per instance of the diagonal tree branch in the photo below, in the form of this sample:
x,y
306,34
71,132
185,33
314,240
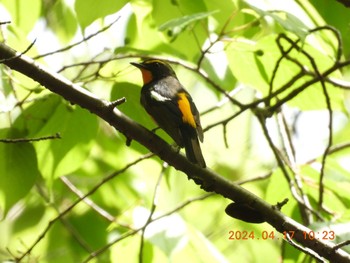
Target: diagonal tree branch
x,y
207,179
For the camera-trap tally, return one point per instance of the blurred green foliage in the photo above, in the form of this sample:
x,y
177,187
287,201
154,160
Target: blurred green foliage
x,y
233,43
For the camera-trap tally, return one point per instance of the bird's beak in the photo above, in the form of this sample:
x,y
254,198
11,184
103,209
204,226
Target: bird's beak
x,y
138,65
146,73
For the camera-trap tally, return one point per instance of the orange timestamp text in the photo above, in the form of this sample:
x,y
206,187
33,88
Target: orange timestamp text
x,y
265,235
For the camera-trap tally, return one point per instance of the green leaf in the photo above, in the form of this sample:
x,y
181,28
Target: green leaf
x,y
132,107
204,249
177,25
96,236
293,255
242,60
336,185
18,172
65,28
288,21
168,233
77,128
90,10
148,252
336,15
254,63
226,9
33,118
337,180
143,33
278,190
21,16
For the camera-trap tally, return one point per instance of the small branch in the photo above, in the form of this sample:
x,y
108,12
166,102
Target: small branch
x,y
346,3
306,84
23,140
303,249
81,198
79,42
337,35
277,65
279,160
255,179
86,200
18,54
222,102
329,145
116,103
152,210
290,152
329,107
224,121
224,131
338,147
5,22
279,205
96,253
342,244
339,83
184,204
133,232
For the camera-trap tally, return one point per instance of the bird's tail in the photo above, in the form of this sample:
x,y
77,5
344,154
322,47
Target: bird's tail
x,y
193,149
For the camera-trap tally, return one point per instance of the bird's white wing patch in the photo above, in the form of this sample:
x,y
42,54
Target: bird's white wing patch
x,y
156,96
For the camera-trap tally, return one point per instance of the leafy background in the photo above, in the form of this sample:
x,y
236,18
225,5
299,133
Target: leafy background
x,y
233,43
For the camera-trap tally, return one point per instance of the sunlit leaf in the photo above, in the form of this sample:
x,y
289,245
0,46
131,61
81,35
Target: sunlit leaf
x,y
254,64
21,17
77,128
278,190
337,18
168,233
90,10
286,20
18,172
209,252
177,25
64,28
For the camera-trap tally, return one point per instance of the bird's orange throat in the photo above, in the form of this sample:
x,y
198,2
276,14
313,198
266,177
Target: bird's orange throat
x,y
146,76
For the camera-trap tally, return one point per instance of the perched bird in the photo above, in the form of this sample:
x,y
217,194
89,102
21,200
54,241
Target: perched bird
x,y
171,107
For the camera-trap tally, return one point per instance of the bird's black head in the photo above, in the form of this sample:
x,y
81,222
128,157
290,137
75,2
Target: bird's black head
x,y
154,69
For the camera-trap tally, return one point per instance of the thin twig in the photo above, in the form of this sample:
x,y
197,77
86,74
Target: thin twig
x,y
307,251
19,54
330,112
152,210
279,160
24,140
277,65
329,144
86,200
133,232
341,244
79,42
290,154
69,208
337,35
